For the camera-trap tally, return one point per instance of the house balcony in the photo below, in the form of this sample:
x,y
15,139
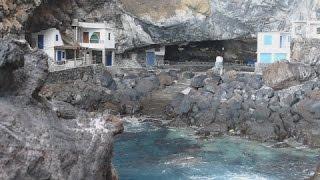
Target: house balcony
x,y
100,45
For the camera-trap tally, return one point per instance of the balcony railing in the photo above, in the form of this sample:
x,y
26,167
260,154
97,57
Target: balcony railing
x,y
69,64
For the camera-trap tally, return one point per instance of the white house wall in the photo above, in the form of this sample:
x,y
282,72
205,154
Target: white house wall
x,y
49,40
274,48
105,43
313,31
161,52
308,29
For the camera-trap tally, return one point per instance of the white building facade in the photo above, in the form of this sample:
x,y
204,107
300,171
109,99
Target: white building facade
x,y
306,29
273,47
97,40
48,40
92,43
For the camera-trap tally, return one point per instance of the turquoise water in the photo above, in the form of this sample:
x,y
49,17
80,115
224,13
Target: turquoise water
x,y
148,152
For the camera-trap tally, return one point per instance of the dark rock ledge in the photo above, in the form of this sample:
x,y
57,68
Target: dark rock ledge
x,y
281,104
36,143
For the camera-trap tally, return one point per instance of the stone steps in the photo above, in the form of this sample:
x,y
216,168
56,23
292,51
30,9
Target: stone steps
x,y
154,104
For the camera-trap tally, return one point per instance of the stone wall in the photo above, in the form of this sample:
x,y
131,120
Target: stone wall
x,y
75,73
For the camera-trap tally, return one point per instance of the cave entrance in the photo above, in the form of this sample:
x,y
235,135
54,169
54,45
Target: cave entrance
x,y
233,52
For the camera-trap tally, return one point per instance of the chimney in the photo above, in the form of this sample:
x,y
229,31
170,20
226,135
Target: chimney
x,y
75,23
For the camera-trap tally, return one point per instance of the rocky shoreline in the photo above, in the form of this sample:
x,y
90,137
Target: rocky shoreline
x,y
270,107
84,106
283,111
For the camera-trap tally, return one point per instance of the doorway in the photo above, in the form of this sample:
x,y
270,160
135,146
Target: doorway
x,y
109,59
40,41
151,59
96,57
85,37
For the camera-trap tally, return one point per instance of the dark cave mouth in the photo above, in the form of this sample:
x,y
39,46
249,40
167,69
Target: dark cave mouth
x,y
233,51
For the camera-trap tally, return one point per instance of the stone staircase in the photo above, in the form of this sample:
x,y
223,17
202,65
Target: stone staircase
x,y
154,104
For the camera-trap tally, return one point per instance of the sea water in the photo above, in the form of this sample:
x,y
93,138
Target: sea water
x,y
146,151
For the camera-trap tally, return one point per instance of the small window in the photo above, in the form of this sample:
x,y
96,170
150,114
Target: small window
x,y
95,37
63,55
318,30
109,36
157,49
267,39
57,37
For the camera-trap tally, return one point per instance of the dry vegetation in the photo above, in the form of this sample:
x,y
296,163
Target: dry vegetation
x,y
165,8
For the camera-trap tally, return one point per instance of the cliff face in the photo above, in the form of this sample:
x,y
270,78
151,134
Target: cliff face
x,y
143,22
41,139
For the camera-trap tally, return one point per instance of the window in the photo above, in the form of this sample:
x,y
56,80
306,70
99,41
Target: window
x,y
318,30
267,39
63,55
280,56
265,58
109,36
95,37
157,49
285,41
57,37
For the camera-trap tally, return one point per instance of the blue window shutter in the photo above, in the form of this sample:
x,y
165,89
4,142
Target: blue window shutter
x,y
267,39
41,41
265,58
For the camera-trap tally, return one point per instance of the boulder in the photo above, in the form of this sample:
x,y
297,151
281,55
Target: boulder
x,y
16,80
147,84
165,79
188,75
64,110
198,81
282,75
263,131
107,81
116,122
173,73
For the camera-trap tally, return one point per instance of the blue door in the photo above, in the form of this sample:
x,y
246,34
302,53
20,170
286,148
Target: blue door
x,y
109,59
59,56
40,41
151,58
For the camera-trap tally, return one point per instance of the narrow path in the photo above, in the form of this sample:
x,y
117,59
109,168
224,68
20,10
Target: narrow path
x,y
154,104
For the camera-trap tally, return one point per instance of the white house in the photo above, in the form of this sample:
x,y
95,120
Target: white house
x,y
97,40
155,56
48,40
305,29
273,46
93,43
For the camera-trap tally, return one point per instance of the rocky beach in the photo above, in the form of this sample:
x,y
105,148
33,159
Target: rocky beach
x,y
180,119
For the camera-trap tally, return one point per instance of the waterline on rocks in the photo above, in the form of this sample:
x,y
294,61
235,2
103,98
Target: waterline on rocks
x,y
148,151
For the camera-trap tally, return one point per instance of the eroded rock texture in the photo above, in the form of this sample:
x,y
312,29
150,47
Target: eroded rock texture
x,y
34,142
144,22
242,104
